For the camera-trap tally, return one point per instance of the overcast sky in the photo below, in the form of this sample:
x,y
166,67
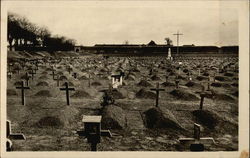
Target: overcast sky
x,y
110,22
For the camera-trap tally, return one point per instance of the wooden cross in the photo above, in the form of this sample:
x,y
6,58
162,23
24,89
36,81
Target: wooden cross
x,y
67,89
32,74
202,95
197,143
90,79
53,74
208,83
157,89
178,34
22,91
57,80
92,130
27,78
12,136
177,81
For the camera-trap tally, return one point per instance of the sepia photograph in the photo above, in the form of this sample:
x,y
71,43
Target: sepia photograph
x,y
125,76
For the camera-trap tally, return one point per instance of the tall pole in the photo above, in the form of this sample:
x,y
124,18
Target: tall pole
x,y
177,34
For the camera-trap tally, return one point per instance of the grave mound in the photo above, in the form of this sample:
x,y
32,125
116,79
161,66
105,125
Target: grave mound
x,y
44,73
223,97
157,118
63,78
235,84
43,77
207,118
155,78
60,73
49,121
130,77
166,84
144,83
205,74
113,117
42,83
11,92
95,83
18,83
144,94
226,85
220,78
43,93
118,94
69,84
236,93
68,116
80,94
216,84
228,74
200,78
83,78
184,95
190,84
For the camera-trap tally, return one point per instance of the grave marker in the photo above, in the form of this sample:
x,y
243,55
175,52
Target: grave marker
x,y
196,141
74,75
53,74
22,91
57,80
32,74
92,130
67,89
12,136
157,89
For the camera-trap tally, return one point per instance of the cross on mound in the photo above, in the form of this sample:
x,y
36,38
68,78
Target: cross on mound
x,y
67,89
157,89
197,143
22,91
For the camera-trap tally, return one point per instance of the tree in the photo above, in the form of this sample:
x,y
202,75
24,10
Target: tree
x,y
168,41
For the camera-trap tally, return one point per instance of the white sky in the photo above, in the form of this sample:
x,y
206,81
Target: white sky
x,y
112,22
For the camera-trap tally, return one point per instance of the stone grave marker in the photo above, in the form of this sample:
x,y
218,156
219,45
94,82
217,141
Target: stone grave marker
x,y
22,92
157,89
92,130
67,89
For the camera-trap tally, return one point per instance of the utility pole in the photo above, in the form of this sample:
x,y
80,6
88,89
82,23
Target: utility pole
x,y
177,34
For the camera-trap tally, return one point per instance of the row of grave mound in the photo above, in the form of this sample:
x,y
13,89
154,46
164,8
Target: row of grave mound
x,y
143,93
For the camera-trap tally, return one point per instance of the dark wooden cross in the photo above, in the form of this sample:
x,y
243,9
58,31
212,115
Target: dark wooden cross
x,y
32,74
12,136
202,95
67,89
53,74
27,78
22,91
157,89
92,130
90,79
197,143
177,81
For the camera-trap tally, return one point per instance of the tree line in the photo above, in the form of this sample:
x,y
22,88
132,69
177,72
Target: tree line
x,y
23,33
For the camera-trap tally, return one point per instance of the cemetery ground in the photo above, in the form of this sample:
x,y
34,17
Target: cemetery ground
x,y
136,124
